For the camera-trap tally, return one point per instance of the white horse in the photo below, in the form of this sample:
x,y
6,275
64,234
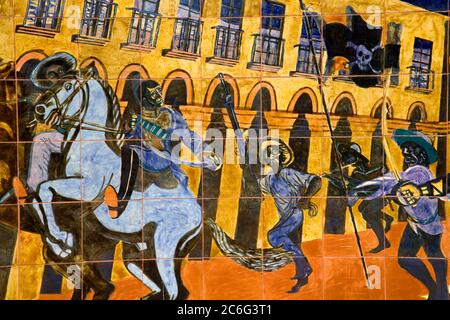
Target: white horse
x,y
83,107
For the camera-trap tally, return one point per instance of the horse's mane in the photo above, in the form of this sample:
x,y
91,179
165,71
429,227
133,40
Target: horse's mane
x,y
115,139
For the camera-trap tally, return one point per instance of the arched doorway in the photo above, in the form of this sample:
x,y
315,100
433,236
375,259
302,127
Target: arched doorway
x,y
300,137
377,155
178,89
416,113
250,197
262,98
127,84
209,188
176,94
336,207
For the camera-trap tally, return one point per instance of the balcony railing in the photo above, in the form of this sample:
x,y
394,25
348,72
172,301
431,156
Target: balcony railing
x,y
97,23
144,30
421,79
305,61
42,17
227,48
228,43
267,53
187,34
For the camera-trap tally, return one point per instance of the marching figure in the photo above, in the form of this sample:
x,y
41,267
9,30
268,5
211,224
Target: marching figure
x,y
292,191
424,227
371,210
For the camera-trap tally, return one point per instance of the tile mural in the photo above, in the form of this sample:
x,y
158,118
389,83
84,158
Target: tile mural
x,y
224,149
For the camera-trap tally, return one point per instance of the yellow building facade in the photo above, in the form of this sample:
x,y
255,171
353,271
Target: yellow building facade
x,y
191,75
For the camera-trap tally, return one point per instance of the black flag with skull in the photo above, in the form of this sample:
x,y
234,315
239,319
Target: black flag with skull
x,y
360,44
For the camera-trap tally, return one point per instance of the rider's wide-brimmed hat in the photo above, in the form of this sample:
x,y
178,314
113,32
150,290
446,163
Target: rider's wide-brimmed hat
x,y
401,136
284,149
65,61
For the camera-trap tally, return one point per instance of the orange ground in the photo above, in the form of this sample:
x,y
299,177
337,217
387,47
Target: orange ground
x,y
337,275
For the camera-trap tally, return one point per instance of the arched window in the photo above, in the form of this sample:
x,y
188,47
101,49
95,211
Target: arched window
x,y
178,88
176,94
336,208
98,65
299,139
377,156
344,108
304,104
417,114
378,112
262,100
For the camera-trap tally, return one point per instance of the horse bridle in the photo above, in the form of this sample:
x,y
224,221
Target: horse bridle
x,y
76,120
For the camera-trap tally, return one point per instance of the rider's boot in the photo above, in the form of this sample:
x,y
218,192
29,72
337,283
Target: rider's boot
x,y
302,272
20,191
118,202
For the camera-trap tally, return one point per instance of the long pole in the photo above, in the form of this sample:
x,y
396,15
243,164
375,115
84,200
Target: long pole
x,y
333,138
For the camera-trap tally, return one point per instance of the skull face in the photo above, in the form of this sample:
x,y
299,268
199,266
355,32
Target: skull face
x,y
363,57
413,155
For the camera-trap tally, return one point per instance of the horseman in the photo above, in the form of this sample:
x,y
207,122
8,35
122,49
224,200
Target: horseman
x,y
424,228
292,191
150,145
47,140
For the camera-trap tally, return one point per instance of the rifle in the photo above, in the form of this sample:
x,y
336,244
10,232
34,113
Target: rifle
x,y
229,105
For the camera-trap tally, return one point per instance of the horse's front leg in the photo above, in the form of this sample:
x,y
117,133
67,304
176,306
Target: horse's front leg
x,y
68,188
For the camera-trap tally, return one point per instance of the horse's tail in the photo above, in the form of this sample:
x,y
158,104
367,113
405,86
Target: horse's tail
x,y
266,260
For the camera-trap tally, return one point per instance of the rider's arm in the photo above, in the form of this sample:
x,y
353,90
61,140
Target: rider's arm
x,y
188,137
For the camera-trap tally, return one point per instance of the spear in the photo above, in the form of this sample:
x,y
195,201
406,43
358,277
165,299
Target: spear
x,y
333,138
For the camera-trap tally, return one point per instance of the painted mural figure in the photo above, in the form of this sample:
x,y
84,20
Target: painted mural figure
x,y
424,228
79,106
149,145
292,191
371,210
47,140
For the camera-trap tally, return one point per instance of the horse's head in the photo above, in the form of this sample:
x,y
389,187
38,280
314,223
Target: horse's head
x,y
61,102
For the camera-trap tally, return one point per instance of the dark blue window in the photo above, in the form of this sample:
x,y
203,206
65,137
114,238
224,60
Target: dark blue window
x,y
272,14
148,5
231,12
306,63
421,74
98,18
191,6
422,53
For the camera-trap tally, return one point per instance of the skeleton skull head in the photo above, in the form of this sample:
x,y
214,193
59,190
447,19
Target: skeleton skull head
x,y
363,57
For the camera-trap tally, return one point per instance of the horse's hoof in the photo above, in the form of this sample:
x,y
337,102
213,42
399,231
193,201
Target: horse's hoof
x,y
69,240
58,250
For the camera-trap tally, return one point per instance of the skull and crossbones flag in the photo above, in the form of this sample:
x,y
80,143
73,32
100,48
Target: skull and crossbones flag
x,y
359,44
